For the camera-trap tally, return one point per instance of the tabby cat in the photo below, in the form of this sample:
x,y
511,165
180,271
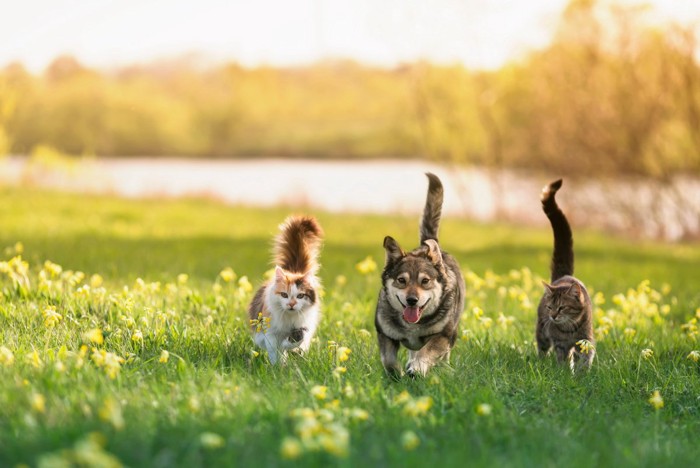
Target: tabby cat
x,y
285,312
564,315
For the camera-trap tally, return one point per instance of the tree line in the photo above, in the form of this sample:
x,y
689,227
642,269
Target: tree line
x,y
611,94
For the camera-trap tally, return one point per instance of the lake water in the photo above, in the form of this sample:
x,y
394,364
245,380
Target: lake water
x,y
640,207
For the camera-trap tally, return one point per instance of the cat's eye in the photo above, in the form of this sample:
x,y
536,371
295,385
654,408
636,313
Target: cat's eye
x,y
300,296
284,295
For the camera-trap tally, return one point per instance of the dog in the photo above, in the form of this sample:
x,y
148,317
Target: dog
x,y
422,296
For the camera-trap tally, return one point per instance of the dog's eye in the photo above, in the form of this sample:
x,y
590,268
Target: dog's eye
x,y
284,295
425,281
401,281
300,296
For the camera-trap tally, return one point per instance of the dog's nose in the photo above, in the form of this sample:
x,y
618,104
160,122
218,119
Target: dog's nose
x,y
412,300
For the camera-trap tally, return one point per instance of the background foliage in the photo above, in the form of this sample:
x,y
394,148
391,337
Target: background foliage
x,y
610,94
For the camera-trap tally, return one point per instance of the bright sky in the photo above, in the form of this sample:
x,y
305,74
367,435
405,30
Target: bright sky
x,y
105,33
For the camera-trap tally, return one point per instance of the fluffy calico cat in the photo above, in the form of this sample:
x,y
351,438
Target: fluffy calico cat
x,y
564,315
284,312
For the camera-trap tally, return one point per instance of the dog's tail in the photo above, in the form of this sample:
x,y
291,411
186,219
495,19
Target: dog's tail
x,y
433,209
298,245
563,254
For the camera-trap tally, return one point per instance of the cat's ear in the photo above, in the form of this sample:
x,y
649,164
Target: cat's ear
x,y
279,274
393,250
434,253
548,288
577,291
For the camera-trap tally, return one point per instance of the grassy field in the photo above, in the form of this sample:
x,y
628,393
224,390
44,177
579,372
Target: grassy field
x,y
123,341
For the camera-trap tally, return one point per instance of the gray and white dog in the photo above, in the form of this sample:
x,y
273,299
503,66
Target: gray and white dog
x,y
422,296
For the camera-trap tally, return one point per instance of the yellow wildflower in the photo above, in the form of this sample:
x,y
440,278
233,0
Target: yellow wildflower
x,y
598,298
35,360
693,356
210,440
261,324
94,336
193,404
111,412
486,322
51,317
343,353
244,285
228,275
418,407
340,370
182,278
341,280
656,400
366,266
137,336
629,332
483,409
291,448
335,440
333,404
585,346
38,402
96,281
409,440
402,398
7,358
647,353
164,355
52,269
109,361
320,392
358,414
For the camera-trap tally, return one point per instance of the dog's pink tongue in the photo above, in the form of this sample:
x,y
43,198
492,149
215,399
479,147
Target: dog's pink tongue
x,y
411,314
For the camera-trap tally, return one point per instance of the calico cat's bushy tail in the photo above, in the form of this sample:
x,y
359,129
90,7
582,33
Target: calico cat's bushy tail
x,y
563,255
433,209
298,245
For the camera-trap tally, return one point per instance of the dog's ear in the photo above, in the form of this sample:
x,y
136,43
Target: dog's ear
x,y
433,252
393,250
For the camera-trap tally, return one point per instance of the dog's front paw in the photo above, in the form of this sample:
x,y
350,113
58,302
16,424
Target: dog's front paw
x,y
417,368
394,372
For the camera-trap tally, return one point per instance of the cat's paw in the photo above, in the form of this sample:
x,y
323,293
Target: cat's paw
x,y
297,335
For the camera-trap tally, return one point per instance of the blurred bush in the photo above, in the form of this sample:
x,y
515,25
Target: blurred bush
x,y
611,94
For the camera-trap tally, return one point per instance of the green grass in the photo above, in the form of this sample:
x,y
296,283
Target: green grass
x,y
213,403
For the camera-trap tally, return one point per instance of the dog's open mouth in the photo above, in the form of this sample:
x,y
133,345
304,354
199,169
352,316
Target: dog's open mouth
x,y
412,314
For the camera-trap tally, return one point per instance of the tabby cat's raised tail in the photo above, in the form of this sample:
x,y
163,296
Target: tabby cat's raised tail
x,y
563,254
433,209
298,244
